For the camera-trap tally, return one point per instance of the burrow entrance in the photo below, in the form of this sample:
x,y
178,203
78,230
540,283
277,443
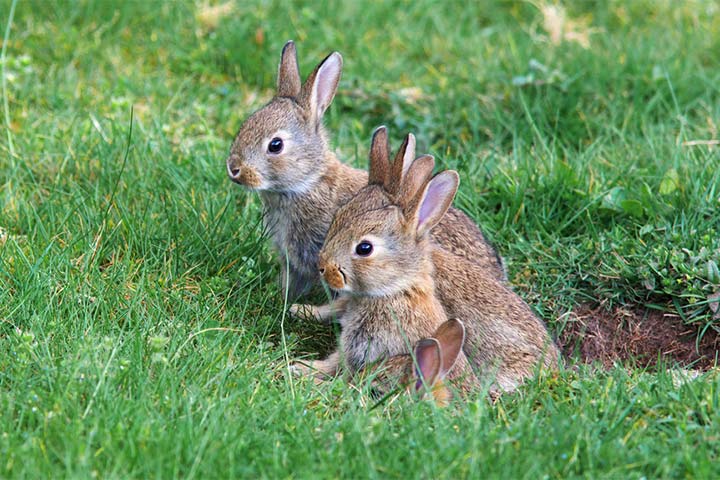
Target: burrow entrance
x,y
596,335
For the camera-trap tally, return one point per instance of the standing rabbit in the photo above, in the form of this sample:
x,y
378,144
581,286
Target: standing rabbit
x,y
398,286
281,151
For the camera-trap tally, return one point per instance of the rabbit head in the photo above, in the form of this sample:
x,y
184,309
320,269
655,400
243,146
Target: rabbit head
x,y
378,242
282,147
424,371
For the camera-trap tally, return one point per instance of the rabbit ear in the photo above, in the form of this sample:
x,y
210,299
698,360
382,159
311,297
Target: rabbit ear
x,y
451,337
429,362
379,157
417,175
320,87
288,79
401,164
434,201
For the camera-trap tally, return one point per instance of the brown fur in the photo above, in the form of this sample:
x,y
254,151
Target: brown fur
x,y
288,81
403,160
297,224
302,186
380,156
505,340
250,177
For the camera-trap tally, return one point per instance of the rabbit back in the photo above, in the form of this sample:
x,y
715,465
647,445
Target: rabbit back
x,y
504,337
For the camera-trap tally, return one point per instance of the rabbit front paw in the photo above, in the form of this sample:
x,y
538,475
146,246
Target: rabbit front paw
x,y
302,311
323,313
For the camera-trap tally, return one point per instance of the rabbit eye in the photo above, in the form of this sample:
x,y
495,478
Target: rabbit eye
x,y
275,145
364,248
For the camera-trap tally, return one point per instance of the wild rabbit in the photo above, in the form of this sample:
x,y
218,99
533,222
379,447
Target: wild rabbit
x,y
281,151
398,286
424,370
378,256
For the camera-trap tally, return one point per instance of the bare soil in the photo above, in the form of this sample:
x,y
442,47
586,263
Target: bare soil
x,y
641,337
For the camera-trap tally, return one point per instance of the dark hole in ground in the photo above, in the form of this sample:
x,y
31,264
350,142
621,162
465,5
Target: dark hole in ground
x,y
635,335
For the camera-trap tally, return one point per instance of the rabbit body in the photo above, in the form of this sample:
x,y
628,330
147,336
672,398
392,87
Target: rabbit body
x,y
398,285
374,328
297,224
388,300
379,328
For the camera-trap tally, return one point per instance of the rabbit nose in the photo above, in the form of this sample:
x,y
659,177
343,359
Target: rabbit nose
x,y
334,276
233,167
243,174
322,263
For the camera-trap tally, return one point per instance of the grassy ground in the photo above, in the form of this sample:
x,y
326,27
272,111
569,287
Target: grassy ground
x,y
141,330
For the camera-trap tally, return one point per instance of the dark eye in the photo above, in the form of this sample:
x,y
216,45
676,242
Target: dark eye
x,y
364,249
275,145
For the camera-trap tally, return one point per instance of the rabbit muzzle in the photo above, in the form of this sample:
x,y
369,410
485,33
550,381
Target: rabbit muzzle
x,y
242,174
332,275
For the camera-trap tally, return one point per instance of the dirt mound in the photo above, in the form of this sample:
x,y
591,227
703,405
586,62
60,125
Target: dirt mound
x,y
640,336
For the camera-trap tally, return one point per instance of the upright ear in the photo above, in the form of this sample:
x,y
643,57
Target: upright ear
x,y
451,337
428,362
288,79
320,87
417,175
434,201
379,157
401,164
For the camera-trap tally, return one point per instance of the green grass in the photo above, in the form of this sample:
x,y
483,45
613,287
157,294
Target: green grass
x,y
141,328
